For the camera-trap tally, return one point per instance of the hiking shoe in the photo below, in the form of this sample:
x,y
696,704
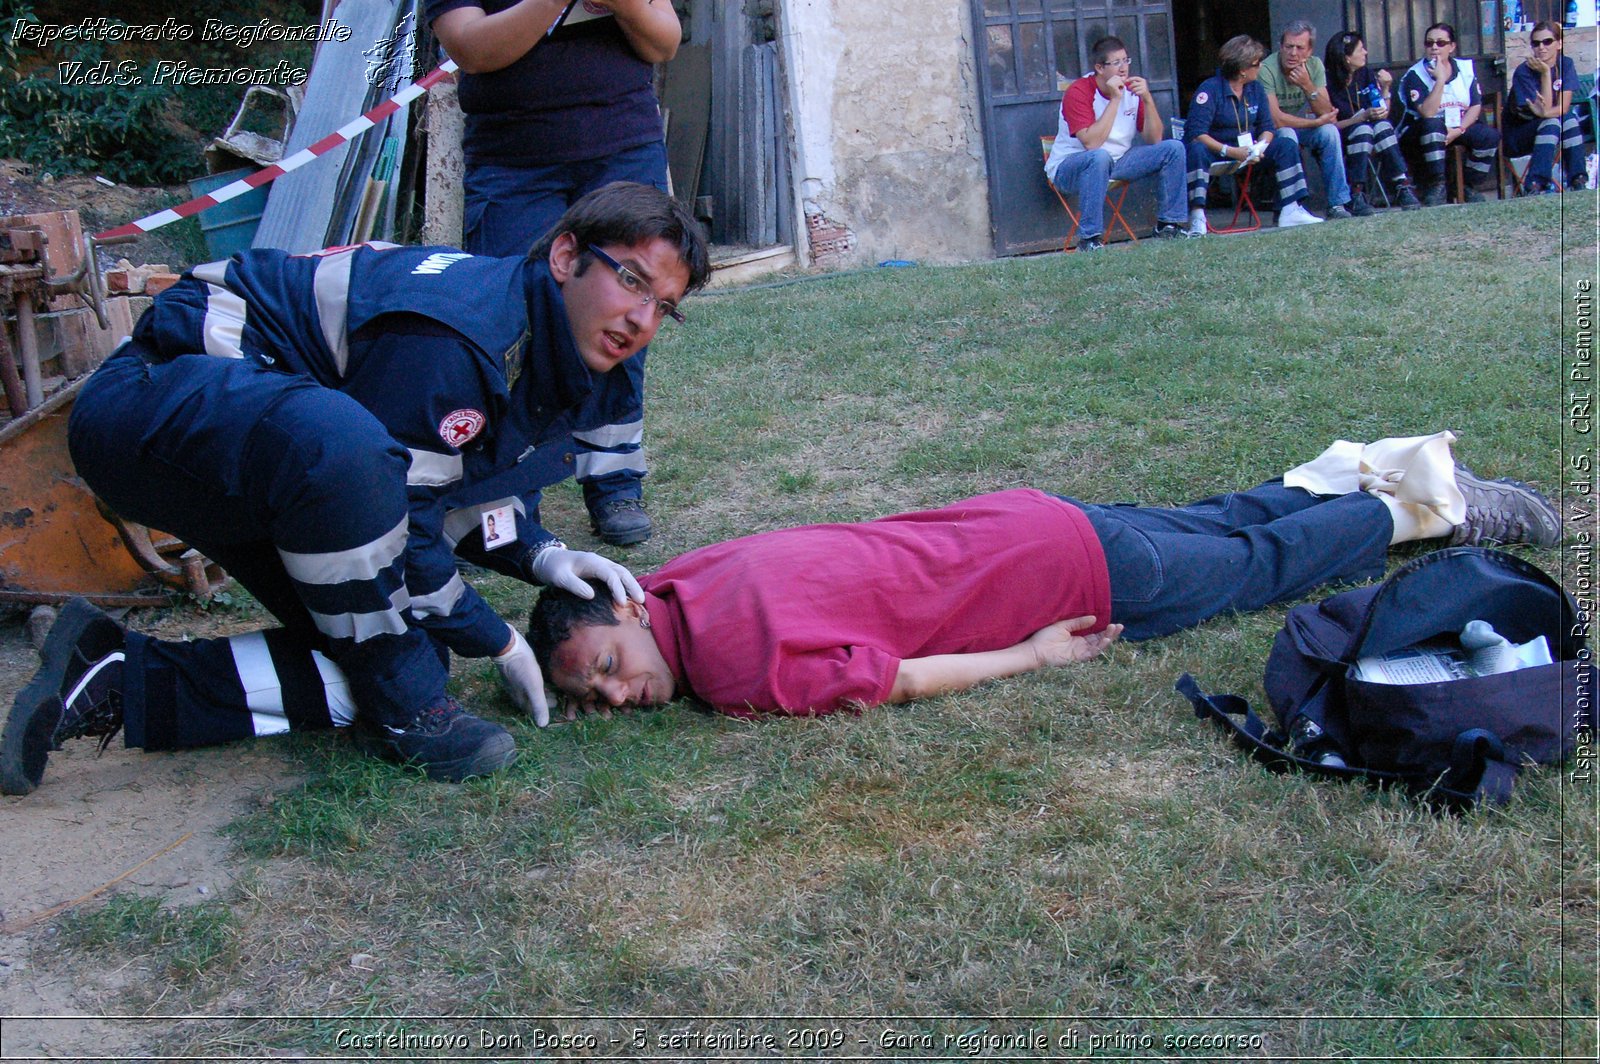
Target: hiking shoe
x,y
1338,212
1360,207
1504,511
1168,230
445,741
621,522
76,692
1406,199
1473,195
1434,197
1090,243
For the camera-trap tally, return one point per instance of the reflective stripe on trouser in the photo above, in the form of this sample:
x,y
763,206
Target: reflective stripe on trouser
x,y
1481,141
1542,139
1282,157
1373,147
294,489
203,692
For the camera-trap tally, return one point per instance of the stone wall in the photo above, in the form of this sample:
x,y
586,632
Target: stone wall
x,y
888,145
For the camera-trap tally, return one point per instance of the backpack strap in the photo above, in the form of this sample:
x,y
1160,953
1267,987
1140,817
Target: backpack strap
x,y
1244,727
1478,770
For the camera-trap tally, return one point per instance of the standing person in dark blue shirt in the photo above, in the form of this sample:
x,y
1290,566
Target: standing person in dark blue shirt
x,y
1538,114
1230,119
559,101
333,429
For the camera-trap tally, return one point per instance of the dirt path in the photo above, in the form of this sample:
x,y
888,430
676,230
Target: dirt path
x,y
92,820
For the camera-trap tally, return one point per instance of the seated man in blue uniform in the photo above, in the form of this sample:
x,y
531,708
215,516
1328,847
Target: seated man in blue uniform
x,y
334,429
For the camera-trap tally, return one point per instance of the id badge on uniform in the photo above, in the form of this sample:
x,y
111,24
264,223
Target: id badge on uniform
x,y
499,527
1452,116
1247,141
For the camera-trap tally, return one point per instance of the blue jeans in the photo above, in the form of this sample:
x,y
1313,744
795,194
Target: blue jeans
x,y
508,208
1173,568
1089,172
1327,149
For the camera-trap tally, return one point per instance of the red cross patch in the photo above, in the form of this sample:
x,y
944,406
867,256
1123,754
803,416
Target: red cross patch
x,y
460,426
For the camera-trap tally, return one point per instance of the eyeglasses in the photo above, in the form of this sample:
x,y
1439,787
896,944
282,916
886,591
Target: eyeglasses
x,y
635,285
1438,42
1547,42
1123,62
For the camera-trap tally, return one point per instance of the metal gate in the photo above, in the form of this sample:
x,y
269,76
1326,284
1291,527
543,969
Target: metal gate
x,y
1028,50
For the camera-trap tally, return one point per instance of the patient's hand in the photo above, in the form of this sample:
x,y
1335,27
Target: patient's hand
x,y
1060,644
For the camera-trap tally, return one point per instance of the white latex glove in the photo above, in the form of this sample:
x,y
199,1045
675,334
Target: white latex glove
x,y
559,567
519,670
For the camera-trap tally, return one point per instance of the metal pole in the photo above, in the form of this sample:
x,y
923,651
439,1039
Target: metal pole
x,y
28,344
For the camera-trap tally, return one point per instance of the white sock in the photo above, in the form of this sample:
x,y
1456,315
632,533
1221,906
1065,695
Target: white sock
x,y
1197,218
1413,521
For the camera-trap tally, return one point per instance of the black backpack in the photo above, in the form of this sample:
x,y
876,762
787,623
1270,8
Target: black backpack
x,y
1452,742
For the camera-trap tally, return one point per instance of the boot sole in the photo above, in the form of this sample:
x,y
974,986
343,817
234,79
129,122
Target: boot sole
x,y
624,539
36,711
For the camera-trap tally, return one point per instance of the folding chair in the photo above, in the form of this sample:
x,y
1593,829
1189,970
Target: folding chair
x,y
1113,206
1241,196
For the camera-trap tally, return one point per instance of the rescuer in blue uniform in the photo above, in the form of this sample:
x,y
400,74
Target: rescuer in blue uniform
x,y
334,429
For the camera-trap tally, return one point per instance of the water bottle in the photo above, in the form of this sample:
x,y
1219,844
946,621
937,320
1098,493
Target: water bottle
x,y
1375,96
1513,14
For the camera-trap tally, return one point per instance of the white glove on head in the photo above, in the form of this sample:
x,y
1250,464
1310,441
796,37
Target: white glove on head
x,y
563,568
519,670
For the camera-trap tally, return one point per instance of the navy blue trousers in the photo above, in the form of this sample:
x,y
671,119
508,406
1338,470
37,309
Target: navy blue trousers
x,y
260,471
1173,568
508,209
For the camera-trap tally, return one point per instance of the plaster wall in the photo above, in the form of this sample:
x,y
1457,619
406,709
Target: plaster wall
x,y
888,146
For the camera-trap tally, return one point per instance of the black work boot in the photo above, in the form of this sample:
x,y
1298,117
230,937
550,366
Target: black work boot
x,y
445,741
621,522
76,692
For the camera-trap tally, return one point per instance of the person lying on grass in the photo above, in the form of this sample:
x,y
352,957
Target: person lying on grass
x,y
810,620
814,619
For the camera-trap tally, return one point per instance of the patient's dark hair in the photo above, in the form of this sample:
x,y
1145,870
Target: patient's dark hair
x,y
557,612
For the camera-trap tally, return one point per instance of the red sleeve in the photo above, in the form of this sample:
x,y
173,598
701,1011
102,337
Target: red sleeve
x,y
1139,122
1077,106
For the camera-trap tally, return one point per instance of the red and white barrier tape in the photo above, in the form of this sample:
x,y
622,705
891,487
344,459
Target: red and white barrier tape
x,y
344,133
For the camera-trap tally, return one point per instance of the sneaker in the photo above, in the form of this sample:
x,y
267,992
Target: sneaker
x,y
445,741
1294,214
1090,243
1434,197
1338,212
1406,199
1504,511
1578,183
1167,230
76,692
1197,224
1360,207
621,522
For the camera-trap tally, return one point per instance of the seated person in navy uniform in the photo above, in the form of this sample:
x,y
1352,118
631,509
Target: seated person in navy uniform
x,y
1439,111
1361,97
335,429
1538,116
820,618
1230,118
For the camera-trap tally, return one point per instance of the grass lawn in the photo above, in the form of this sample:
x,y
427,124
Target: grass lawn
x,y
1065,856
